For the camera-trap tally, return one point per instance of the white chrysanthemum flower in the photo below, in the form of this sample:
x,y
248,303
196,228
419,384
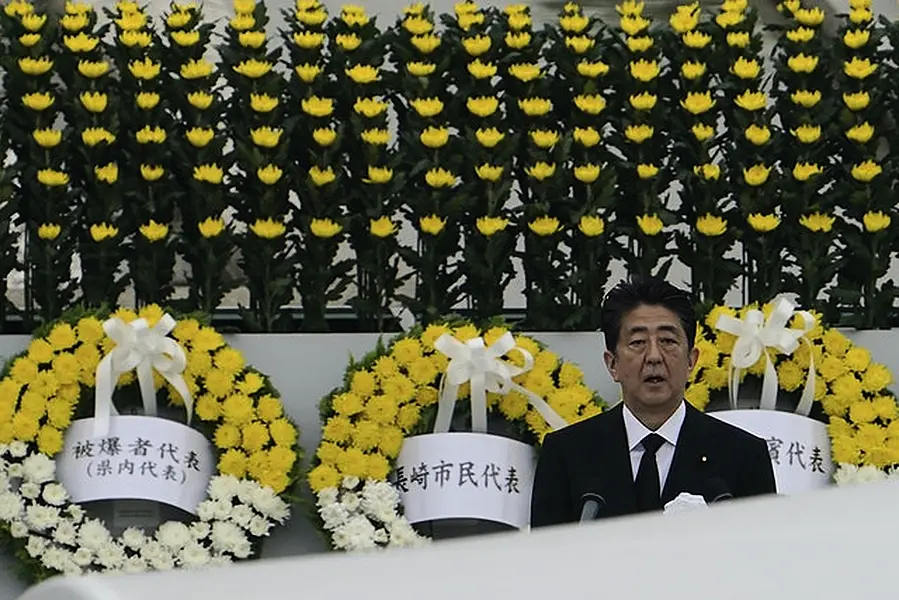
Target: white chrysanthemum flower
x,y
402,535
379,500
853,475
222,509
11,506
206,510
245,489
219,560
135,564
333,515
173,535
41,518
60,559
93,534
36,545
845,474
327,497
356,534
381,536
242,515
193,555
18,529
351,501
76,513
83,557
381,491
18,449
39,468
65,533
223,487
350,483
226,536
259,526
71,568
153,551
134,538
54,494
200,530
111,556
871,474
162,562
268,503
243,548
30,490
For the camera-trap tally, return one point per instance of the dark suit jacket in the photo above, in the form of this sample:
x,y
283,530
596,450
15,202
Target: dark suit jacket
x,y
593,456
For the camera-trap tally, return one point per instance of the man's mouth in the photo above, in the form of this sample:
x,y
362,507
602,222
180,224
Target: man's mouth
x,y
654,379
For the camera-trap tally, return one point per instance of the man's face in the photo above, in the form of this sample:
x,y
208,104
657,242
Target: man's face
x,y
652,361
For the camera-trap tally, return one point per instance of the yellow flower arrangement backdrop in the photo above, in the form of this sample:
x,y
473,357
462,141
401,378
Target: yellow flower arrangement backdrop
x,y
565,136
393,392
851,392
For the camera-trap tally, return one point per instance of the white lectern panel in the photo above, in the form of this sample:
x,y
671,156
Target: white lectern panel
x,y
776,547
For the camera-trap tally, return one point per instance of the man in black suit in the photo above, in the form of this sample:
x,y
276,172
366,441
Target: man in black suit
x,y
651,447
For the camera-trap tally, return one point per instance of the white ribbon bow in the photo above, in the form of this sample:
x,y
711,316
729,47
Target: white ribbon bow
x,y
482,366
755,336
145,348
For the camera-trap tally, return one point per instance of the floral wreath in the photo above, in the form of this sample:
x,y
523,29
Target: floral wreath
x,y
46,387
393,392
849,389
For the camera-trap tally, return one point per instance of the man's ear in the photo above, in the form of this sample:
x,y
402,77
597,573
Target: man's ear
x,y
693,357
611,365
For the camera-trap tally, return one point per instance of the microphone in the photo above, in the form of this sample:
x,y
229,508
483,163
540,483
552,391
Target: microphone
x,y
717,491
592,503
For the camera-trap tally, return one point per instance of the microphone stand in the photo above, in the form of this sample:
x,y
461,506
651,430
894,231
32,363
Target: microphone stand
x,y
592,504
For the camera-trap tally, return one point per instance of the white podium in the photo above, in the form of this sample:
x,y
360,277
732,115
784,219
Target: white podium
x,y
745,550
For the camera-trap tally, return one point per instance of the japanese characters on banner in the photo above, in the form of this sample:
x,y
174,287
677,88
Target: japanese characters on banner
x,y
799,446
465,475
141,458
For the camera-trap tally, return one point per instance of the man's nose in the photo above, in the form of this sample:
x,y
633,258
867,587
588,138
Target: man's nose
x,y
654,352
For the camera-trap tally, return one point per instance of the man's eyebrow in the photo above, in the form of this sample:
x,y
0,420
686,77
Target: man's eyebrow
x,y
644,329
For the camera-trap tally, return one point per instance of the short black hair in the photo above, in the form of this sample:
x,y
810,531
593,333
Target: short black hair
x,y
650,291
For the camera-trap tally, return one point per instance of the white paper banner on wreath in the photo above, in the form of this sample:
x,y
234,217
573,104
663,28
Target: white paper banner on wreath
x,y
465,475
140,458
799,447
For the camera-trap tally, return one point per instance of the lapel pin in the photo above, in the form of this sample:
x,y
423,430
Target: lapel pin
x,y
703,458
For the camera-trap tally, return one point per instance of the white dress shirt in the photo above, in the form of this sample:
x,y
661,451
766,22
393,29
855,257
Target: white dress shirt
x,y
670,431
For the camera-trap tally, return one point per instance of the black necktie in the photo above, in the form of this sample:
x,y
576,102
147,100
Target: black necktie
x,y
649,495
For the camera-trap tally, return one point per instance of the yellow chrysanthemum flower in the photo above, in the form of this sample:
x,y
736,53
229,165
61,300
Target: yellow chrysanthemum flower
x,y
153,231
763,223
817,222
268,229
650,225
544,226
711,225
